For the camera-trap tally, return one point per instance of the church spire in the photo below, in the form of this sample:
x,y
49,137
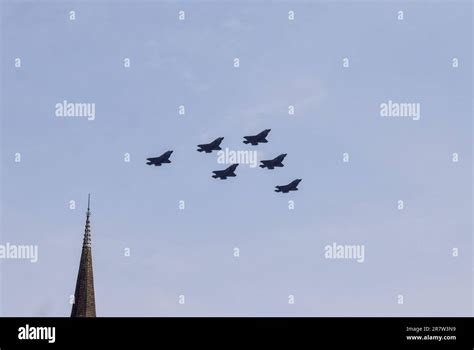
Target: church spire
x,y
84,298
87,233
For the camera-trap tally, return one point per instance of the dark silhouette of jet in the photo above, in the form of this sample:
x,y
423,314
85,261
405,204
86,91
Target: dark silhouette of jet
x,y
256,139
157,161
273,163
223,174
290,187
209,147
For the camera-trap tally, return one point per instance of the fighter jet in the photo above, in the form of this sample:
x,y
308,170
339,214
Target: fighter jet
x,y
290,187
223,174
271,164
157,161
209,147
256,139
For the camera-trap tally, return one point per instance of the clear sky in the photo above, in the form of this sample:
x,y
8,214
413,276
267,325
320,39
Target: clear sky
x,y
190,252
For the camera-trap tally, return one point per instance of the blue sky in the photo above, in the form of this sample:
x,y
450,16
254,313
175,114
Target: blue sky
x,y
190,252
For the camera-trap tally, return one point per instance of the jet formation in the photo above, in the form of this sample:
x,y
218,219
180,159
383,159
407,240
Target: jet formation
x,y
215,145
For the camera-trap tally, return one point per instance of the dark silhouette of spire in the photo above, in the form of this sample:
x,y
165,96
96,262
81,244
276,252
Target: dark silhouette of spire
x,y
84,298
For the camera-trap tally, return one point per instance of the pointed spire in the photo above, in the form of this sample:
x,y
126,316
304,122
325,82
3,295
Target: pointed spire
x,y
87,233
84,297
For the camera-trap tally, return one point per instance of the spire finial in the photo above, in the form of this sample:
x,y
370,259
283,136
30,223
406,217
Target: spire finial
x,y
87,233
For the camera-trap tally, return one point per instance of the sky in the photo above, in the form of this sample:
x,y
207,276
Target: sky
x,y
190,252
